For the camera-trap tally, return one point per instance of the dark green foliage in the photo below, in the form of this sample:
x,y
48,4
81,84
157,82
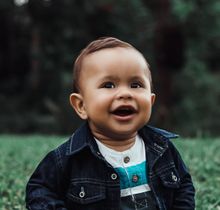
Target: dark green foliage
x,y
196,108
197,87
40,40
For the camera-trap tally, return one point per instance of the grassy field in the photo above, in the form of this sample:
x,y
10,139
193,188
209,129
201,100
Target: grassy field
x,y
19,156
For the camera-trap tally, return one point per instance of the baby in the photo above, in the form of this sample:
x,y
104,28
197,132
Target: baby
x,y
114,161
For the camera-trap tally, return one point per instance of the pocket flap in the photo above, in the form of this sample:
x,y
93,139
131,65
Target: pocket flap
x,y
170,178
86,192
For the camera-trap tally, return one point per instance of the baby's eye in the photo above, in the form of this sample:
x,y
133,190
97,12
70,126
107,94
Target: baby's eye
x,y
136,85
108,85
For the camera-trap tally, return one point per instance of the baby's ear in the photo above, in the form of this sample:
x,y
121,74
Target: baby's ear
x,y
153,97
76,101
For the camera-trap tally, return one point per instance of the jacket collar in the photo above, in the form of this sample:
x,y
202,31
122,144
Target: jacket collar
x,y
82,139
156,139
162,133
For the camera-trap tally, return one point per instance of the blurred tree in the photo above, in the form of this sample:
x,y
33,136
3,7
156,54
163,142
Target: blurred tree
x,y
168,51
12,37
39,41
197,90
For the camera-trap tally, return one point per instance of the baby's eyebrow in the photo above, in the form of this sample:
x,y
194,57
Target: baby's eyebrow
x,y
116,78
137,78
110,77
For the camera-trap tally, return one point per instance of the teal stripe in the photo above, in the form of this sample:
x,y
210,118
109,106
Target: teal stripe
x,y
139,170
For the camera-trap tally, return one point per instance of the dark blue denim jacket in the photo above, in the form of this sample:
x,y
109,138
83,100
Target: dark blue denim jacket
x,y
75,176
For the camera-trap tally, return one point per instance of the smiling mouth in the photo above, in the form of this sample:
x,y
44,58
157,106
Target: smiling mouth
x,y
124,111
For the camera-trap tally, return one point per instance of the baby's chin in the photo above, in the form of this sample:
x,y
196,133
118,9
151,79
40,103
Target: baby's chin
x,y
121,136
116,133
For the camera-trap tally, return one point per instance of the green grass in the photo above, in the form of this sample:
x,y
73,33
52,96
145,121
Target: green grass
x,y
203,159
19,155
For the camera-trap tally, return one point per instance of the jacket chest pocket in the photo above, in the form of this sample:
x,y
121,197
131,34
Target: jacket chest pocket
x,y
81,193
168,185
170,178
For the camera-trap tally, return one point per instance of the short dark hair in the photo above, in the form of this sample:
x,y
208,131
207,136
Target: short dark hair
x,y
99,44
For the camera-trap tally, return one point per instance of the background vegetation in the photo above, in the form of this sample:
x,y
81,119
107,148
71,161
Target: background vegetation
x,y
19,157
40,39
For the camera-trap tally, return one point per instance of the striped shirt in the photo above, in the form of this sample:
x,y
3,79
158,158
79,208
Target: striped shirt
x,y
131,167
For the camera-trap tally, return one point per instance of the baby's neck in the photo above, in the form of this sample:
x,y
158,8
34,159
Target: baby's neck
x,y
118,145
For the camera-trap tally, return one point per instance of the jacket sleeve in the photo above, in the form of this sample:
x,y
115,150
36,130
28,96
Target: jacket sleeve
x,y
184,197
43,191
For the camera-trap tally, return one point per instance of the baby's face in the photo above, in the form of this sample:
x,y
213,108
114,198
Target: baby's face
x,y
116,93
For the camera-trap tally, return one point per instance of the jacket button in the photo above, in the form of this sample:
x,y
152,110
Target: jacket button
x,y
135,178
82,193
126,159
174,177
114,176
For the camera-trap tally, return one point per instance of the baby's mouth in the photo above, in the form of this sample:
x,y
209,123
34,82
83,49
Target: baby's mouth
x,y
124,111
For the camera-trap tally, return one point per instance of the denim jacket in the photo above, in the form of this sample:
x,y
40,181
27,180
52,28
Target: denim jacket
x,y
75,176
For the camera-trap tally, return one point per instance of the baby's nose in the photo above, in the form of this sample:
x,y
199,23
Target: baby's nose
x,y
124,93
